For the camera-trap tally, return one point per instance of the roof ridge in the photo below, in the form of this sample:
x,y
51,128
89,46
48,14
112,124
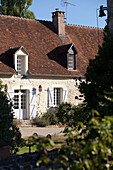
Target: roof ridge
x,y
16,17
83,26
42,20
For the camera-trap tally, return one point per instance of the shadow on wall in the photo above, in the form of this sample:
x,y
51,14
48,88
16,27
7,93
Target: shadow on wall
x,y
52,110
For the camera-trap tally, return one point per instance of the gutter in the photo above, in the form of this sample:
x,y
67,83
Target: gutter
x,y
46,75
51,75
7,73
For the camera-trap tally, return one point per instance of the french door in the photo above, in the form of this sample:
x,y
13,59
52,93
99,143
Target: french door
x,y
20,103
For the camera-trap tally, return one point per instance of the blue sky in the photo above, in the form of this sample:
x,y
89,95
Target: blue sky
x,y
84,13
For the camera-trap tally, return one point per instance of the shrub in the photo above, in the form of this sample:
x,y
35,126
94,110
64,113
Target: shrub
x,y
52,118
63,114
46,119
7,129
70,115
41,122
89,150
81,113
92,148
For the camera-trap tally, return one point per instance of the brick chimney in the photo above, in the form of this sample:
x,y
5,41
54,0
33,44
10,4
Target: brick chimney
x,y
110,14
58,18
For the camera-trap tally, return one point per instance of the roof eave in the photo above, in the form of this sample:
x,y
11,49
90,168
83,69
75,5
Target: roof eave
x,y
51,75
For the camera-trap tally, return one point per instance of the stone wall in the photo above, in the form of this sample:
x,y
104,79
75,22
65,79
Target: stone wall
x,y
42,97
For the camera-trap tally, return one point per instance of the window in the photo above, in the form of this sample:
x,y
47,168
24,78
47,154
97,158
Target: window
x,y
21,61
71,60
56,96
21,65
23,101
16,101
18,65
20,99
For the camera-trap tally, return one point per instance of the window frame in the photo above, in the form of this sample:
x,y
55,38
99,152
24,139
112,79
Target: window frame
x,y
51,98
73,53
20,99
22,53
57,96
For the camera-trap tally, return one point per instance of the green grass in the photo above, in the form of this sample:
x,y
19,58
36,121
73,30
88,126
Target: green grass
x,y
25,149
57,139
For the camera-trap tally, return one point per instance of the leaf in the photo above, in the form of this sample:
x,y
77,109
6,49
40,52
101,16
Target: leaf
x,y
109,98
46,160
65,157
51,143
81,124
87,164
96,112
38,163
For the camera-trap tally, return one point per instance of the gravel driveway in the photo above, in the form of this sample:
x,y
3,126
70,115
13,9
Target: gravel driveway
x,y
28,131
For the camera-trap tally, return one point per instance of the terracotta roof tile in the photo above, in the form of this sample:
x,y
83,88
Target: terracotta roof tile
x,y
41,42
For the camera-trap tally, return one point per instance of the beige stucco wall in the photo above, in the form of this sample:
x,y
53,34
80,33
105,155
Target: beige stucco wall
x,y
41,97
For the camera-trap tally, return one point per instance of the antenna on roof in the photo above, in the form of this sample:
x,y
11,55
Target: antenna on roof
x,y
65,3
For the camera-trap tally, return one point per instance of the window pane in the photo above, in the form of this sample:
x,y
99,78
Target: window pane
x,y
71,61
21,64
16,101
23,101
16,91
57,96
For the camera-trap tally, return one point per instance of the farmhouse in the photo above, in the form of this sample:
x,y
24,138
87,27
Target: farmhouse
x,y
40,60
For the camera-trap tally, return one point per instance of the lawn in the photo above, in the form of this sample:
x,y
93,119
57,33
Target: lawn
x,y
58,140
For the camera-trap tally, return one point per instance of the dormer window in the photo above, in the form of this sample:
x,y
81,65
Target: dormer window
x,y
21,61
72,58
71,61
21,66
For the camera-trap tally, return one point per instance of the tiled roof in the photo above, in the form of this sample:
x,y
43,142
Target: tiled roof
x,y
41,42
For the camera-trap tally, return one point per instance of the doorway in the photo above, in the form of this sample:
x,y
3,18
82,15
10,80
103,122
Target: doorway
x,y
20,104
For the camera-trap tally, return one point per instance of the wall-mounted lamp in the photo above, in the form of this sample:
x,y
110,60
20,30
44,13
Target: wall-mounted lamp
x,y
40,88
101,11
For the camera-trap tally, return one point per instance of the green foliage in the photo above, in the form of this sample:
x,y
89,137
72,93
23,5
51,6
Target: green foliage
x,y
81,113
7,129
99,75
41,122
17,8
91,149
89,146
17,141
46,119
63,114
70,115
42,144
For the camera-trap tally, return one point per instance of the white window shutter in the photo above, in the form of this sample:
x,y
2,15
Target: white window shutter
x,y
65,95
32,103
50,97
10,95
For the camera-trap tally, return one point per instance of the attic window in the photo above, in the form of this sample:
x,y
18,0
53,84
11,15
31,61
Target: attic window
x,y
21,61
21,67
72,58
